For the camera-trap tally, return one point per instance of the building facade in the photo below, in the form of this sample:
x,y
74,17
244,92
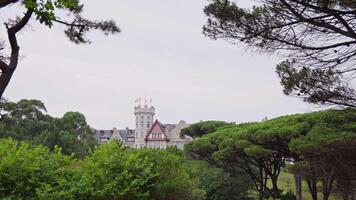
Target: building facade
x,y
147,132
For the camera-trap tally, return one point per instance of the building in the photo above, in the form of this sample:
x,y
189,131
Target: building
x,y
147,133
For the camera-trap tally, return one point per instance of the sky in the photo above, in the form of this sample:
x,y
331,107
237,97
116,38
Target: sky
x,y
161,54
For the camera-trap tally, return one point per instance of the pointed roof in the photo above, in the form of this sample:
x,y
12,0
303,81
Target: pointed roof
x,y
161,128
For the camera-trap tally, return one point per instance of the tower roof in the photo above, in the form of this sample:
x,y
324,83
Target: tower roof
x,y
143,102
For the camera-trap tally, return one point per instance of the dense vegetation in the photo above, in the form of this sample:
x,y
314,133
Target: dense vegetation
x,y
112,172
44,157
318,147
26,120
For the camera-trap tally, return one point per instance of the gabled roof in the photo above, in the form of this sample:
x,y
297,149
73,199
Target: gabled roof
x,y
161,127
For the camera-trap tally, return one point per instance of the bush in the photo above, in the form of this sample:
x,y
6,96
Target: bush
x,y
27,171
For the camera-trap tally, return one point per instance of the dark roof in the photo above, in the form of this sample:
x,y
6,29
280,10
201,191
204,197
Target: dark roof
x,y
169,127
103,133
127,133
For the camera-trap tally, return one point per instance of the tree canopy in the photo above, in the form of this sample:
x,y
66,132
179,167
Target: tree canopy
x,y
27,120
111,171
314,142
202,128
317,36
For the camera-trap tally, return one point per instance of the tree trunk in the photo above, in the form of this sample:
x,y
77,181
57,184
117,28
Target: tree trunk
x,y
275,189
353,189
5,78
328,182
345,195
8,70
313,189
298,187
344,187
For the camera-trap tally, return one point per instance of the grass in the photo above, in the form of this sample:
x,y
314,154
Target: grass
x,y
286,182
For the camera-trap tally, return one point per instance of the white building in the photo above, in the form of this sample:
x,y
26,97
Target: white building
x,y
146,133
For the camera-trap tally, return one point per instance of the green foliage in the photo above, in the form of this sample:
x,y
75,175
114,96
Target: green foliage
x,y
26,171
322,143
48,12
27,120
218,184
202,128
115,172
238,160
112,172
174,180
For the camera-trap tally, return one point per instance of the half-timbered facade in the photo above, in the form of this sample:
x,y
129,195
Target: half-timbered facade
x,y
156,136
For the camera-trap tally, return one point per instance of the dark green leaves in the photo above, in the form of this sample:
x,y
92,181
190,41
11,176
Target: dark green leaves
x,y
27,120
47,12
322,142
202,128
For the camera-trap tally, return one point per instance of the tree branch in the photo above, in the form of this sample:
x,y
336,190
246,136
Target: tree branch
x,y
4,3
16,28
316,23
11,31
3,66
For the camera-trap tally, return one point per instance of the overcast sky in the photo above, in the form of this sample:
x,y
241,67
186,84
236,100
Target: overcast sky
x,y
161,54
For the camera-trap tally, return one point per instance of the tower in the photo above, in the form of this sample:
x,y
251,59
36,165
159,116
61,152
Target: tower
x,y
144,112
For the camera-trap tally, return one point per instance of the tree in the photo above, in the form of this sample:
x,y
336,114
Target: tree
x,y
317,36
218,184
227,150
27,120
321,145
114,172
174,180
47,12
202,128
24,119
327,151
257,149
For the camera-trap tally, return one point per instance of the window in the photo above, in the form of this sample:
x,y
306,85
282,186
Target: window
x,y
104,140
142,117
141,135
148,125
